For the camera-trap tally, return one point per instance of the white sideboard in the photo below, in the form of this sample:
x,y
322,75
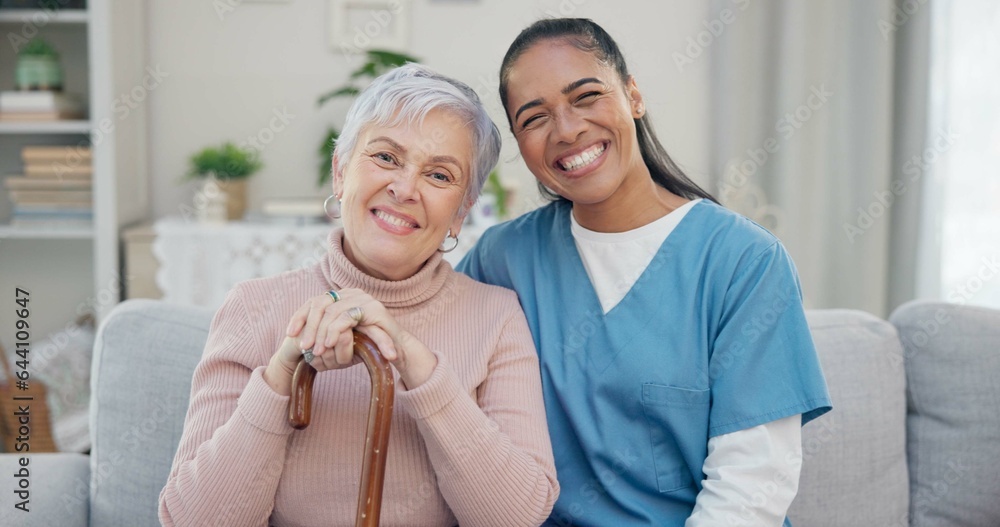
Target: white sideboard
x,y
195,264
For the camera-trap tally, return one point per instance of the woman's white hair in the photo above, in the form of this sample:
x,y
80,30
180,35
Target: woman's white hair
x,y
408,93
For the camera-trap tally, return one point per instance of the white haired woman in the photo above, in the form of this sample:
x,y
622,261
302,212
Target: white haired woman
x,y
469,442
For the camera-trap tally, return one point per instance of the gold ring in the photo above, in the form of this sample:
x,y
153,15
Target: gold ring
x,y
356,313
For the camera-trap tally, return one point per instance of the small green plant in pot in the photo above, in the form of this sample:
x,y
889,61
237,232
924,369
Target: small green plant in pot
x,y
378,62
38,67
229,167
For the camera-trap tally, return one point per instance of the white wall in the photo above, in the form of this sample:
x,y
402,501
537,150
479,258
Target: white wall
x,y
227,76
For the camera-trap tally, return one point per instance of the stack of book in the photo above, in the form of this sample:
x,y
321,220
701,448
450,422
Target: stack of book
x,y
55,189
292,211
39,106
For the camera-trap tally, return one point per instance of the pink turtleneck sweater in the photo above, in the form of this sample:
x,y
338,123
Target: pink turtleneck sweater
x,y
468,446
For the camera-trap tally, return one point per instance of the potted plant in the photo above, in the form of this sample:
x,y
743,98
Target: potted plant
x,y
378,62
38,67
227,168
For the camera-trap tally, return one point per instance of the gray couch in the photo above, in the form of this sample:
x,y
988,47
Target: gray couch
x,y
913,438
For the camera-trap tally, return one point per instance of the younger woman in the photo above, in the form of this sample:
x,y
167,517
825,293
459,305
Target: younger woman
x,y
677,365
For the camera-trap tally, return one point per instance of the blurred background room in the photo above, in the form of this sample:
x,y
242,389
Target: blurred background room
x,y
169,149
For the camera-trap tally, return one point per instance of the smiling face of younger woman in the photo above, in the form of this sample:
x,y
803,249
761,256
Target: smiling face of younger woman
x,y
574,123
402,190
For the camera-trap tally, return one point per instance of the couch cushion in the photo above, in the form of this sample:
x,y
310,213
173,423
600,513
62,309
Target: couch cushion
x,y
144,356
953,424
854,464
58,490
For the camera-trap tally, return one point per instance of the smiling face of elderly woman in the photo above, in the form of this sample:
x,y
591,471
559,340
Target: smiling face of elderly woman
x,y
402,190
414,154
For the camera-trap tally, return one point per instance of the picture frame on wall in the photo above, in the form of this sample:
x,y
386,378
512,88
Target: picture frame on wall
x,y
359,25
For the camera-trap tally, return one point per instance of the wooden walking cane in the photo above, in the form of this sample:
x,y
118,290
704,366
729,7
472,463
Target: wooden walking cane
x,y
379,419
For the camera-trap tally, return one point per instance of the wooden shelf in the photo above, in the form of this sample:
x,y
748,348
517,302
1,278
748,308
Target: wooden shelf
x,y
16,232
45,127
41,17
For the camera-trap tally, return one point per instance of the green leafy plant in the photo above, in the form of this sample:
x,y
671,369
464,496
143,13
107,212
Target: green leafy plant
x,y
225,162
495,187
38,48
378,62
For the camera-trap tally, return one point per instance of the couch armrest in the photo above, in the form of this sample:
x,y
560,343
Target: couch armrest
x,y
58,490
952,360
144,356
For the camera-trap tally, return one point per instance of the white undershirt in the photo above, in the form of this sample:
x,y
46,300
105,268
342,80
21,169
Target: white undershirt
x,y
751,475
617,259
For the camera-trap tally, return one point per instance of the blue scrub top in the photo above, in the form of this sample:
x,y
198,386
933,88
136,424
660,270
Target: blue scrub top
x,y
711,339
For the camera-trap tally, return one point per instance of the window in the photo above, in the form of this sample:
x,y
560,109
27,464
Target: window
x,y
964,151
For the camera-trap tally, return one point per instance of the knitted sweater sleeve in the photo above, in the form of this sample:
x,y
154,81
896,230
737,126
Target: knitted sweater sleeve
x,y
232,451
492,455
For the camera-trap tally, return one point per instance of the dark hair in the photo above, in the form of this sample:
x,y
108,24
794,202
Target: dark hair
x,y
587,36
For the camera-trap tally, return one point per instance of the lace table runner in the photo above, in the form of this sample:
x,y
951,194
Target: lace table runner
x,y
200,263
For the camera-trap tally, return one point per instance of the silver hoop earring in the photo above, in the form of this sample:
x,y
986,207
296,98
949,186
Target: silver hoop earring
x,y
453,246
335,215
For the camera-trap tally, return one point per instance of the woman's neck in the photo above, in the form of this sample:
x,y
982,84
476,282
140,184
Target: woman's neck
x,y
638,201
342,273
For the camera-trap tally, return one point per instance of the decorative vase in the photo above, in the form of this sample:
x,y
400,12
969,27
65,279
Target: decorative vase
x,y
236,197
210,203
38,73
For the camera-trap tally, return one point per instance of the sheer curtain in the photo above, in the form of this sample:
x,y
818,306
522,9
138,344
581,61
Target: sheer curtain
x,y
818,108
966,181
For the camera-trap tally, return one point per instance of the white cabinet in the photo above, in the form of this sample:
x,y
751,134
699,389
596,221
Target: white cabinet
x,y
70,271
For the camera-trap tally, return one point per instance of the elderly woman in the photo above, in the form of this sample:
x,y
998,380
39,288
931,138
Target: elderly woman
x,y
469,442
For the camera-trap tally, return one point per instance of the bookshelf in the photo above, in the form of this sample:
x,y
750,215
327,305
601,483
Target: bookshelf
x,y
56,127
72,269
37,16
15,232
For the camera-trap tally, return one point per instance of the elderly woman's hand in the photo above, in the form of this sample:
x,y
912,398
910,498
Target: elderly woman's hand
x,y
325,326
